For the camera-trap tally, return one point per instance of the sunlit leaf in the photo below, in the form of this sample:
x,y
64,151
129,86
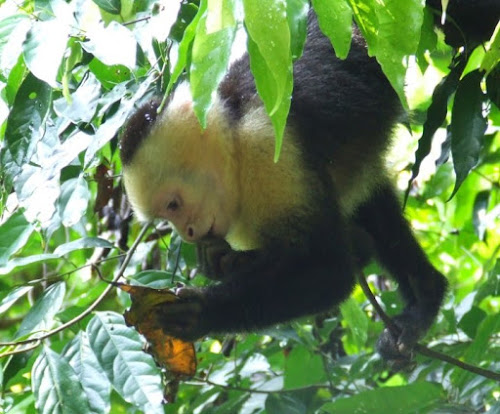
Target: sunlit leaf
x,y
335,21
26,122
130,370
303,368
210,58
271,59
413,398
356,321
113,45
44,48
41,315
94,382
83,243
73,201
7,299
14,234
110,6
56,386
296,13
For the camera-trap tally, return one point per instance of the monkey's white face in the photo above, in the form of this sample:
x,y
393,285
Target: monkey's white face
x,y
185,174
194,205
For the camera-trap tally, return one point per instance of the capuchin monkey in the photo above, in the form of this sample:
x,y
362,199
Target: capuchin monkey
x,y
283,239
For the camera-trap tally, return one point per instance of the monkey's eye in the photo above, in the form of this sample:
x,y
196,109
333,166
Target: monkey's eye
x,y
173,205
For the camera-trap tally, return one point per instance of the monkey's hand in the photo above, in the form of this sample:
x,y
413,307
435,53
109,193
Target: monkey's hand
x,y
217,261
183,318
397,349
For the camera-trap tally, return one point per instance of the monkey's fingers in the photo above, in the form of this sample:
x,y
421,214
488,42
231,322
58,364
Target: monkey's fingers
x,y
181,319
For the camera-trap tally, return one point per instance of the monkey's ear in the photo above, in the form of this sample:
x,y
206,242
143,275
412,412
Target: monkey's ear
x,y
137,129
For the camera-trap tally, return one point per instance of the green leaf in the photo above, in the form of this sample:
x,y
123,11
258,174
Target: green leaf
x,y
41,315
479,217
157,279
478,350
130,370
73,201
492,57
56,386
382,24
296,13
284,403
38,185
415,398
25,125
303,368
83,243
109,6
83,102
13,31
335,21
210,58
469,323
109,76
467,126
44,49
184,47
25,261
270,59
7,299
14,233
356,320
436,115
113,45
109,129
90,375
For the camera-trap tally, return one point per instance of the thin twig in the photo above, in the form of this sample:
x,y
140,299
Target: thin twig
x,y
422,349
202,381
94,305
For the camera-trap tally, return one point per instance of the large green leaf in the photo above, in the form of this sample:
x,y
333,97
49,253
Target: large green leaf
x,y
303,368
26,122
13,31
210,55
335,21
296,13
41,315
382,24
73,201
467,126
56,386
113,45
357,322
270,59
414,398
90,375
436,115
44,48
14,233
130,370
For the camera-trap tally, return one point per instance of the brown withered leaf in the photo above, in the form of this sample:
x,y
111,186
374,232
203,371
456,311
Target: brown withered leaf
x,y
175,355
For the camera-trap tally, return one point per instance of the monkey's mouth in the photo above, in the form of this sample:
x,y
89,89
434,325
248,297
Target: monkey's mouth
x,y
210,234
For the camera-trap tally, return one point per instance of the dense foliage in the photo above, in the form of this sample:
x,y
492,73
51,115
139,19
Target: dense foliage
x,y
71,73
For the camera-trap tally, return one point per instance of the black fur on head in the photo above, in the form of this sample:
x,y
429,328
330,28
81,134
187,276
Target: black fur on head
x,y
136,129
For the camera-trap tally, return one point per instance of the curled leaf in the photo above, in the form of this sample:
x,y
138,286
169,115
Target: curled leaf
x,y
173,354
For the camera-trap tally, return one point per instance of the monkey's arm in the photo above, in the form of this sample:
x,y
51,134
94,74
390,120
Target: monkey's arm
x,y
277,285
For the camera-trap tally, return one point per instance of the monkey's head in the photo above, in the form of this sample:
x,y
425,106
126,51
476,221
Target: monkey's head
x,y
172,169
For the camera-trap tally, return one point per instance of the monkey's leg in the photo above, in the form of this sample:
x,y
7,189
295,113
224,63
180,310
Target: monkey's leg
x,y
420,284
